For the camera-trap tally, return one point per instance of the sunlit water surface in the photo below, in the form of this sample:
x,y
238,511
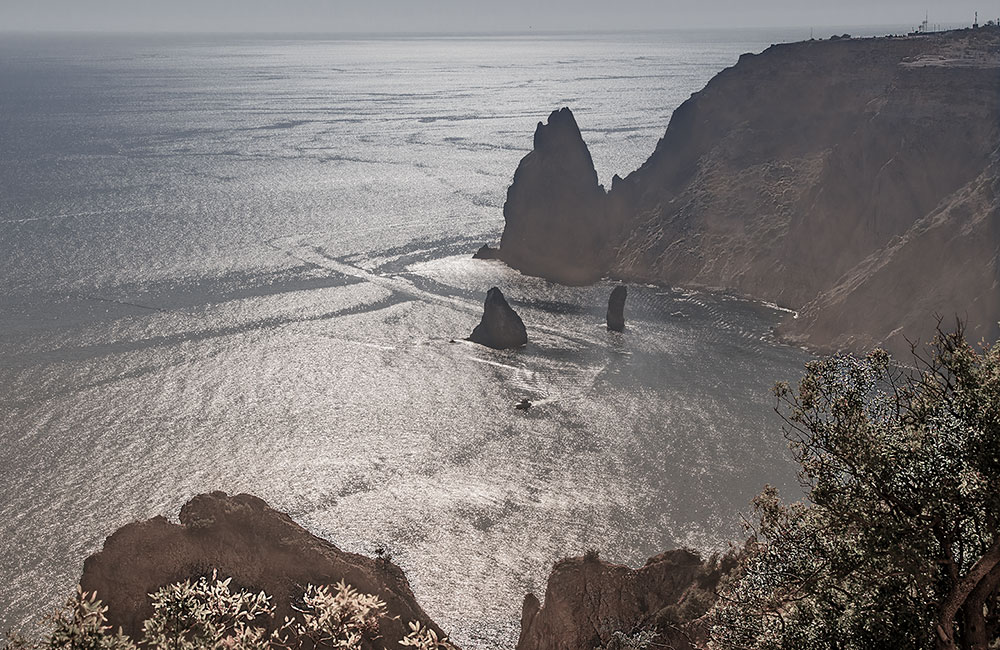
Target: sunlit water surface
x,y
240,264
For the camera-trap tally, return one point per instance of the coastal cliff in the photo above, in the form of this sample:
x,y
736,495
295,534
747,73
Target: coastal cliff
x,y
853,180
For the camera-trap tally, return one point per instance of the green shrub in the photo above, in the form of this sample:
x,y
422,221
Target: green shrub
x,y
637,640
898,545
81,624
204,614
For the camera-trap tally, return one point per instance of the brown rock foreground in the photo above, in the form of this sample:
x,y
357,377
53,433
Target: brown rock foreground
x,y
588,601
242,537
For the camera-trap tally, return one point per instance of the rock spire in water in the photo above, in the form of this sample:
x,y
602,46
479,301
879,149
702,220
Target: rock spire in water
x,y
501,328
486,252
555,210
616,308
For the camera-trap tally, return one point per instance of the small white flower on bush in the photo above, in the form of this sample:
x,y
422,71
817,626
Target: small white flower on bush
x,y
205,614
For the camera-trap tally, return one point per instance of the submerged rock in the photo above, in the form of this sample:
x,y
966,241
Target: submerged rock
x,y
616,308
555,210
243,538
501,328
486,252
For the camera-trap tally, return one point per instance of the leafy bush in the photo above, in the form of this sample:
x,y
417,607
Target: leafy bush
x,y
205,614
81,624
898,544
340,618
637,640
424,638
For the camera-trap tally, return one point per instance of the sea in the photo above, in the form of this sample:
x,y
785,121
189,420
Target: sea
x,y
244,263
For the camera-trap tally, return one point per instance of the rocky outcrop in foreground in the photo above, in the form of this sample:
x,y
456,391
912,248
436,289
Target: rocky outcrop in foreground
x,y
856,181
616,308
242,537
500,328
588,601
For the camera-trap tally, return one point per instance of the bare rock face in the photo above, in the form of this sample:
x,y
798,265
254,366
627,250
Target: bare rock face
x,y
241,537
588,600
852,180
556,225
500,328
486,252
958,239
616,308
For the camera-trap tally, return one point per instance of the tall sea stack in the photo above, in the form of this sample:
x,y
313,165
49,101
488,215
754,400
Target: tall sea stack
x,y
556,225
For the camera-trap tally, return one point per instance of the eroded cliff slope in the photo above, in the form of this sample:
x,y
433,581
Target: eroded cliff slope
x,y
854,180
589,602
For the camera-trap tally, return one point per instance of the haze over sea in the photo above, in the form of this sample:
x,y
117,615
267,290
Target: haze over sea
x,y
238,263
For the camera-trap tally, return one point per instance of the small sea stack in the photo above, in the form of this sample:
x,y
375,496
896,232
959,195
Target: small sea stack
x,y
501,328
616,308
487,252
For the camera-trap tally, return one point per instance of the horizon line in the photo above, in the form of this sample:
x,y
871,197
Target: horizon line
x,y
459,33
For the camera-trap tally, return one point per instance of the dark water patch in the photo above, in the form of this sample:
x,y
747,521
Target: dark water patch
x,y
186,297
88,352
287,124
186,294
423,250
554,306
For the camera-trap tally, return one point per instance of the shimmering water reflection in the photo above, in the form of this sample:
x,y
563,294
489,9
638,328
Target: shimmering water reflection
x,y
241,264
352,408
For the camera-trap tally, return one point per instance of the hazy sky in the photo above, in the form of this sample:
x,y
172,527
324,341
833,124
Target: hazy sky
x,y
332,16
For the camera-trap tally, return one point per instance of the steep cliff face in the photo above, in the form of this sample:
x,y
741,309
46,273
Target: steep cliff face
x,y
588,602
812,174
555,211
243,538
960,239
